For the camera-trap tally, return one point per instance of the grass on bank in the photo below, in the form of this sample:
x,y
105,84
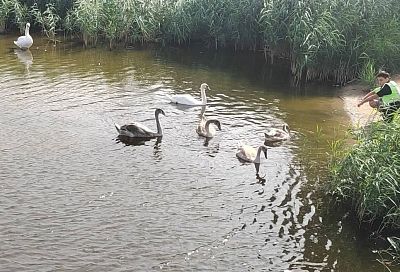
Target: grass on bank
x,y
367,176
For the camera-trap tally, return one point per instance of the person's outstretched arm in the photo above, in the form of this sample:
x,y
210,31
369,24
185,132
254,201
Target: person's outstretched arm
x,y
368,97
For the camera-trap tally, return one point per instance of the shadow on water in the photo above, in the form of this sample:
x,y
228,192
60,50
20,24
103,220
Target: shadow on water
x,y
239,64
272,144
137,140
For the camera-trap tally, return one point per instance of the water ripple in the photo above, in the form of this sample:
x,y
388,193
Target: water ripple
x,y
75,198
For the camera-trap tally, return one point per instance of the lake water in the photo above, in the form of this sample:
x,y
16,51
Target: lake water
x,y
75,198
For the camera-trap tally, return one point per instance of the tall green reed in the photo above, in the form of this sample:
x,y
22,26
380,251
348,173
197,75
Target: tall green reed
x,y
181,22
326,40
216,24
5,10
111,21
48,20
145,24
21,14
87,16
368,72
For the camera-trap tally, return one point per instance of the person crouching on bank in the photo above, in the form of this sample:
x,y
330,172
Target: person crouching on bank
x,y
385,98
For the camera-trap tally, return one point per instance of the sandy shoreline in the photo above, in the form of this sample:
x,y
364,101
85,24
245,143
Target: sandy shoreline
x,y
351,95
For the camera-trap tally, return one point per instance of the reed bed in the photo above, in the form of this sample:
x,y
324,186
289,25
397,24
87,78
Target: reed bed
x,y
326,40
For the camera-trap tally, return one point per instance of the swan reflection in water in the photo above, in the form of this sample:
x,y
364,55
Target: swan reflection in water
x,y
157,149
260,179
157,152
138,141
25,57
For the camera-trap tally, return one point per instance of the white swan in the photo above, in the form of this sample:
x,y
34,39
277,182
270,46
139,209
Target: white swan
x,y
137,130
24,42
204,129
276,135
187,99
250,154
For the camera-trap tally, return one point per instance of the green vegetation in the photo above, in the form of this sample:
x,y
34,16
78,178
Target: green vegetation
x,y
368,73
21,15
85,20
368,174
47,19
317,39
367,177
5,10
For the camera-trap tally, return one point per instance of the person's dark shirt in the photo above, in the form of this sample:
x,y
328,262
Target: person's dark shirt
x,y
384,91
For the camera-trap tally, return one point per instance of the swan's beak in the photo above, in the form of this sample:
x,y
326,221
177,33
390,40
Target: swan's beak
x,y
219,126
266,154
118,127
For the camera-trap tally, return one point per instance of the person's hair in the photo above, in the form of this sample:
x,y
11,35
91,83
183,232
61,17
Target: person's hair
x,y
383,74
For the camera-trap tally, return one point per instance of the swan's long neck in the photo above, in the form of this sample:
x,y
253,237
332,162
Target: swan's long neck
x,y
159,129
207,126
27,31
203,96
257,159
203,110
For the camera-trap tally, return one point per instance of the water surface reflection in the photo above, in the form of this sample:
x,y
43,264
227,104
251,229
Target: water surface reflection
x,y
74,198
25,57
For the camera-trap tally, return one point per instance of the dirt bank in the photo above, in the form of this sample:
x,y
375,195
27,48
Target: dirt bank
x,y
351,95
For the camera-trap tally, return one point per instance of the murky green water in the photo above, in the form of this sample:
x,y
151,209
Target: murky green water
x,y
74,198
